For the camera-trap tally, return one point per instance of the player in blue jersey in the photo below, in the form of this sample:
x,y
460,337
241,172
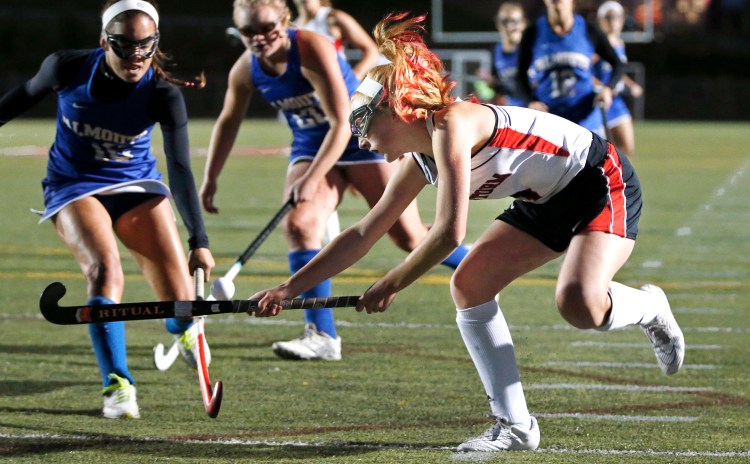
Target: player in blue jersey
x,y
611,18
102,183
554,66
299,73
501,87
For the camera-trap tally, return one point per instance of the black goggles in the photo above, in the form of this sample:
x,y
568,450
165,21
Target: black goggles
x,y
127,49
359,119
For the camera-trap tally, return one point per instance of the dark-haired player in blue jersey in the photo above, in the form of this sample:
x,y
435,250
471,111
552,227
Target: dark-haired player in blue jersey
x,y
300,73
102,182
555,66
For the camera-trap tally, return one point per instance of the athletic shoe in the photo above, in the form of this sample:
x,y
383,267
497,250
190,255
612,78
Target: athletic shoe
x,y
503,436
188,345
311,345
119,399
665,334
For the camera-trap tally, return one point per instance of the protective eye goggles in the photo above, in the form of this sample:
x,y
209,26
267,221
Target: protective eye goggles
x,y
264,29
360,119
505,21
127,49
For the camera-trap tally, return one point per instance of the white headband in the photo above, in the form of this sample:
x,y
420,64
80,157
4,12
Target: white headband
x,y
127,5
608,6
369,87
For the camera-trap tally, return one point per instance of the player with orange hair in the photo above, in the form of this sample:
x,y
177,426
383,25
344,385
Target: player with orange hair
x,y
575,194
300,73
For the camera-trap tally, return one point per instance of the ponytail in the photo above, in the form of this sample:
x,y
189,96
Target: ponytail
x,y
161,59
413,81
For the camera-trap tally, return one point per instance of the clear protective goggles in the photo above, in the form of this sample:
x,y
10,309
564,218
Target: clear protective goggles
x,y
127,49
263,29
360,118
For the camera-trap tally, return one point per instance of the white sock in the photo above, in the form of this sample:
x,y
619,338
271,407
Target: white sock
x,y
487,337
630,306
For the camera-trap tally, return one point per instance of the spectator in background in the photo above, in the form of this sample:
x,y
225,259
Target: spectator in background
x,y
501,87
554,66
611,17
340,28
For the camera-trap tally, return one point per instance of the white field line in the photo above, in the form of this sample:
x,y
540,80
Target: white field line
x,y
371,446
615,418
712,311
702,227
619,365
630,388
233,320
640,345
703,296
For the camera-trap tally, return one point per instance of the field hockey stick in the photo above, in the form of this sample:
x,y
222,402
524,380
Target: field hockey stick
x,y
164,361
211,396
138,311
603,112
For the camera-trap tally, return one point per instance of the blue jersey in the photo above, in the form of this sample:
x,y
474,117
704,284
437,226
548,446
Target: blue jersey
x,y
97,144
506,68
561,69
618,112
603,70
294,96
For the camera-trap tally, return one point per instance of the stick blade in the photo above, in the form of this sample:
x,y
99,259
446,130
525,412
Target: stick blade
x,y
48,303
213,407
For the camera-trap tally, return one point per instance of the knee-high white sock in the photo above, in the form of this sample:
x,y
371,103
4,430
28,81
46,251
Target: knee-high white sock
x,y
487,337
630,306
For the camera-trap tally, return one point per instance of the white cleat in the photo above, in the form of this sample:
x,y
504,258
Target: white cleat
x,y
665,334
503,436
311,345
119,400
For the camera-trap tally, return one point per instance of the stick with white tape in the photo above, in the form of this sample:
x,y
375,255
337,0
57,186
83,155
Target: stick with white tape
x,y
223,287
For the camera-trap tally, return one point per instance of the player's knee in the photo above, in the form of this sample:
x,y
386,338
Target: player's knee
x,y
468,291
301,228
106,271
581,306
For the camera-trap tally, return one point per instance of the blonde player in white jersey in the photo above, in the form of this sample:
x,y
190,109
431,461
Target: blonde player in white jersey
x,y
340,28
574,194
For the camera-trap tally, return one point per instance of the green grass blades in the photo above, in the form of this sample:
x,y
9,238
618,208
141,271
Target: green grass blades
x,y
405,390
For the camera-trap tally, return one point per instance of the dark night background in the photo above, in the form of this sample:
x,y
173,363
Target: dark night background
x,y
696,68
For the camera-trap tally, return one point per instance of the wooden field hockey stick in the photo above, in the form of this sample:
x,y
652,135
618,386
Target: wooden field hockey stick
x,y
149,310
164,361
211,396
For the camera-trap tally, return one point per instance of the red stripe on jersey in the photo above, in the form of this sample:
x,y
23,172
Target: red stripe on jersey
x,y
509,138
613,218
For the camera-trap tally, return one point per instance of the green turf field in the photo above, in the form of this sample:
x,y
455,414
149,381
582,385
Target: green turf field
x,y
406,390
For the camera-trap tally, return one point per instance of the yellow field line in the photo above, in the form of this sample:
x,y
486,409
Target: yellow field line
x,y
367,276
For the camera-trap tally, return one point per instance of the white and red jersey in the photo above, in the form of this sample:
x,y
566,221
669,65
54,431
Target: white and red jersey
x,y
531,156
320,24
